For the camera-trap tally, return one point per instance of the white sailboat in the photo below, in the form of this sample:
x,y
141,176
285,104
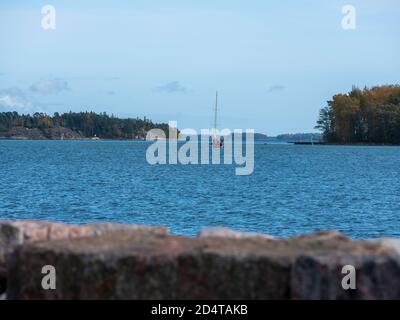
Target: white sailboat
x,y
217,142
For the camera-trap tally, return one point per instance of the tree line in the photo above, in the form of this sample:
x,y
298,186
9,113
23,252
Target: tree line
x,y
371,115
88,124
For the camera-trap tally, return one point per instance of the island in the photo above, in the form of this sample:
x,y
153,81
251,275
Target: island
x,y
74,126
368,116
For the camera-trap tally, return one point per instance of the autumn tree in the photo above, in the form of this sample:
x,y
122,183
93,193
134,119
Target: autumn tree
x,y
362,116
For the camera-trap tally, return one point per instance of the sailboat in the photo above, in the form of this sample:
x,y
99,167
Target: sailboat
x,y
217,142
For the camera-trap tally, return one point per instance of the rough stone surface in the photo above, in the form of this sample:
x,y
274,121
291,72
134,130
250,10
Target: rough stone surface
x,y
320,276
114,261
320,236
13,233
392,243
18,232
144,265
3,279
220,232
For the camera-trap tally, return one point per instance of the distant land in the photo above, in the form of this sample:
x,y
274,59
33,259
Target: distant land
x,y
290,137
74,126
300,137
91,125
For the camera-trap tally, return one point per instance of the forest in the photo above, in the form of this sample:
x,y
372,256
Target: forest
x,y
370,115
87,124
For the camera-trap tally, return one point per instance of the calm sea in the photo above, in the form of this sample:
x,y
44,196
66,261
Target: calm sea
x,y
293,189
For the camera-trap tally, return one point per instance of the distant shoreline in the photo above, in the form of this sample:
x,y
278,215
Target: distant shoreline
x,y
271,142
73,139
361,144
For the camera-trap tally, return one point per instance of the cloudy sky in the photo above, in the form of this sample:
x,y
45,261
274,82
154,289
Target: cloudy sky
x,y
275,63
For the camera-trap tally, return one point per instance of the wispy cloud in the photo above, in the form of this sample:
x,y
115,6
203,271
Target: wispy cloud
x,y
14,99
171,87
276,87
110,93
50,86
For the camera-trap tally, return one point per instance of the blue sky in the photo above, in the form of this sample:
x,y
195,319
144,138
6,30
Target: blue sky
x,y
275,63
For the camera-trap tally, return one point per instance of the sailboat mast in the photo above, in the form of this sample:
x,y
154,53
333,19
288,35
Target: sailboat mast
x,y
216,110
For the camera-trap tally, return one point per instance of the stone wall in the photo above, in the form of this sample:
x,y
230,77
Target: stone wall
x,y
111,261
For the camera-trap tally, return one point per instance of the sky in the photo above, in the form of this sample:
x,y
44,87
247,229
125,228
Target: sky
x,y
274,63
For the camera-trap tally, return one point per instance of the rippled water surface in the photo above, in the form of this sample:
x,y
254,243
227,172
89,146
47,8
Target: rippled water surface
x,y
293,189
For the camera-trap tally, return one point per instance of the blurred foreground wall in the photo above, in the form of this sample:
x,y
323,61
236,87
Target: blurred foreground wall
x,y
113,261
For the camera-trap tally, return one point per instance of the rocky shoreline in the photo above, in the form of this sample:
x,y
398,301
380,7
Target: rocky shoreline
x,y
116,261
55,133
